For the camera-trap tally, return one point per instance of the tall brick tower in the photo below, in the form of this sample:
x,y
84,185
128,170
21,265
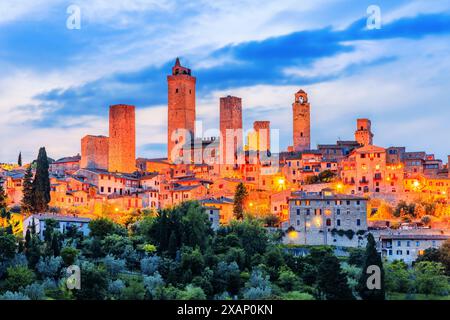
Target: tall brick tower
x,y
448,166
94,152
230,118
363,133
302,122
262,129
122,139
181,104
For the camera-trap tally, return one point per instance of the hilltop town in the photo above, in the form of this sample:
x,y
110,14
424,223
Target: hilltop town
x,y
329,194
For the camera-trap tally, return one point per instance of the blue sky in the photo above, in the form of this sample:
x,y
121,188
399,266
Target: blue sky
x,y
57,83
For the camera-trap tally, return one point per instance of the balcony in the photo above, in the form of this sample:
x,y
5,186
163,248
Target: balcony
x,y
364,181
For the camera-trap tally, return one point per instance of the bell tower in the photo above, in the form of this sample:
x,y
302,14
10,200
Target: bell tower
x,y
181,105
301,112
363,133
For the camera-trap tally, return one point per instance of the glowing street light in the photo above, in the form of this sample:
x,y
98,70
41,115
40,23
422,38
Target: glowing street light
x,y
292,235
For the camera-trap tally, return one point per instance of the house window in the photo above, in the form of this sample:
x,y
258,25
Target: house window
x,y
298,212
328,222
338,211
338,222
399,243
358,222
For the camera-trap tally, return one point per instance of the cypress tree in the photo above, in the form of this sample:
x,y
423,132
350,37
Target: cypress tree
x,y
33,227
34,252
332,281
28,239
3,197
372,258
55,245
239,198
41,183
27,200
19,160
173,245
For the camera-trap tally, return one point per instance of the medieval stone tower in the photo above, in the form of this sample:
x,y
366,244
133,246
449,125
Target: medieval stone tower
x,y
181,105
94,152
363,133
122,139
302,122
448,166
230,118
262,130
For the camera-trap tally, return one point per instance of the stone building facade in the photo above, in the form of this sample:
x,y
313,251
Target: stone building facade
x,y
326,218
122,139
408,246
94,152
367,171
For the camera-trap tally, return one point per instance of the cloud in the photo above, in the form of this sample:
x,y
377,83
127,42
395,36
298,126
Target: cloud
x,y
72,77
271,61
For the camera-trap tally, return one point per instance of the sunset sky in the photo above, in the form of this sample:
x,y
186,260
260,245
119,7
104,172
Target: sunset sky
x,y
58,83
